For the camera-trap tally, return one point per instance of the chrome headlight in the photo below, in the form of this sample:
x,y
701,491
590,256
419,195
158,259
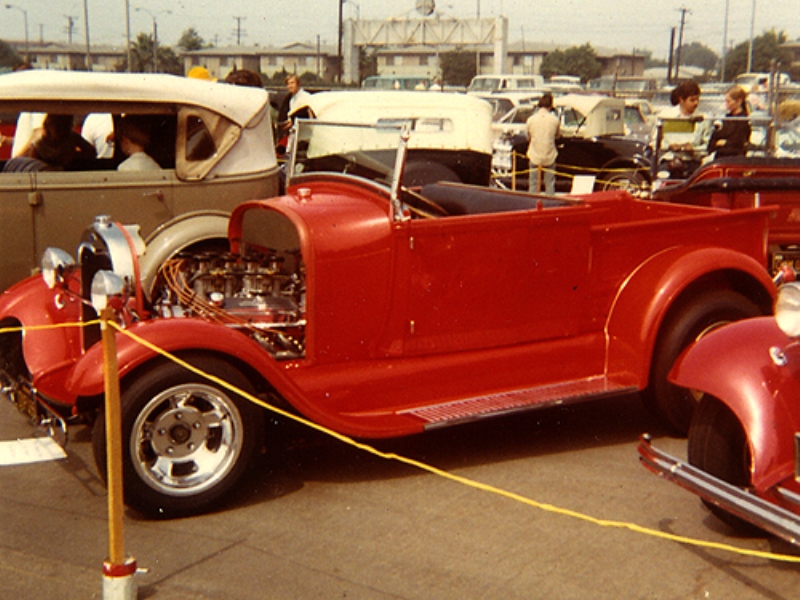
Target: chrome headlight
x,y
55,264
787,309
108,289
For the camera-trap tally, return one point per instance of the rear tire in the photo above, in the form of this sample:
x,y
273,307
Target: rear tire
x,y
672,404
718,445
186,440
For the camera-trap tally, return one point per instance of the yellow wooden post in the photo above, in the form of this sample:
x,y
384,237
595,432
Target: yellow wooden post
x,y
513,170
118,570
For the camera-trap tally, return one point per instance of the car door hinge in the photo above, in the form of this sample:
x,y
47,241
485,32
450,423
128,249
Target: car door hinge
x,y
35,198
411,243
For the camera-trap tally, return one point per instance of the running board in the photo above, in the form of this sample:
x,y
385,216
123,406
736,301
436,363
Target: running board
x,y
737,501
480,407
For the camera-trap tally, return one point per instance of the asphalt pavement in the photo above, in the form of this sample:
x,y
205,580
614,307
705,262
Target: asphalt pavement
x,y
324,520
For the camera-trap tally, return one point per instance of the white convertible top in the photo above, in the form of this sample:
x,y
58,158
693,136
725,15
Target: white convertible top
x,y
237,103
471,117
603,114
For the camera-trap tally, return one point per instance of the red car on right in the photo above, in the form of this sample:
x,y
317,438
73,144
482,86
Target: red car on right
x,y
744,440
745,182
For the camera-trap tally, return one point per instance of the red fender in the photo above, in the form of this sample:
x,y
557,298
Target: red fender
x,y
637,313
49,352
734,365
173,336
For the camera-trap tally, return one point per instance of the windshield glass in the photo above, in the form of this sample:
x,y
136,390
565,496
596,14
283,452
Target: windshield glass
x,y
368,151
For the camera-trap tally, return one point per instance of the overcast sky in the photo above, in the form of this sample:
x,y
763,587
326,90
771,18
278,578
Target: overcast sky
x,y
622,24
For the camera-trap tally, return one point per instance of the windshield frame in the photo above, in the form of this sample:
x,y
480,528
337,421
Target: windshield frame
x,y
302,131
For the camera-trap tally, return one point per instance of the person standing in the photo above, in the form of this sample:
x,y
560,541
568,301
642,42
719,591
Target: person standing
x,y
296,100
732,138
543,128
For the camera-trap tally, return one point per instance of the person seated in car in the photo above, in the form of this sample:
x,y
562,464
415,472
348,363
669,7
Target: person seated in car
x,y
58,145
134,137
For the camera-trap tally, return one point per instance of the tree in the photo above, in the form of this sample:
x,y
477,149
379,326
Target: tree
x,y
8,57
766,48
142,58
698,55
367,63
191,40
580,61
458,67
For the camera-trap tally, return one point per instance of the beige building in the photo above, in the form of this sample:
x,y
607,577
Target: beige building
x,y
294,58
69,57
523,58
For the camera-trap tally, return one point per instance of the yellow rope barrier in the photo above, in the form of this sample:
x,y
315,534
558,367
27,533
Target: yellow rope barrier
x,y
431,469
457,478
583,170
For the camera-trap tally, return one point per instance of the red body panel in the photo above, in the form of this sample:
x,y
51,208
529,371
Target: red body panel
x,y
745,183
733,364
409,318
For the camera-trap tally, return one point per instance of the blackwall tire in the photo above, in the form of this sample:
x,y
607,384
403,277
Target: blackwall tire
x,y
718,445
631,181
672,404
187,441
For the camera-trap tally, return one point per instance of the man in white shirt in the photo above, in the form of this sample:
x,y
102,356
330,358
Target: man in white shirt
x,y
543,128
98,129
134,136
27,123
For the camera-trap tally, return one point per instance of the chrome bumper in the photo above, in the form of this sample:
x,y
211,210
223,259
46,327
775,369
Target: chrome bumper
x,y
737,501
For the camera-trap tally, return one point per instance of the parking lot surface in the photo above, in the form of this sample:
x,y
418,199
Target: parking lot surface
x,y
325,520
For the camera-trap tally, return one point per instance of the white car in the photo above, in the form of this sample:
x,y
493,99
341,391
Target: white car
x,y
452,134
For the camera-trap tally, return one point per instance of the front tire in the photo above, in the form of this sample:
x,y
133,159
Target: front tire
x,y
186,439
631,181
718,445
673,404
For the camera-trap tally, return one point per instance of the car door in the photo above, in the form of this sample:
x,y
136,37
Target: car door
x,y
67,201
19,255
486,281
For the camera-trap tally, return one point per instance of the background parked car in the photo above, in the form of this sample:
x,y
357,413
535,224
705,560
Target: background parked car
x,y
738,182
743,457
452,132
212,140
592,142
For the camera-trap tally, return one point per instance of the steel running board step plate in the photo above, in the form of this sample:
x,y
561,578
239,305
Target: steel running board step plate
x,y
479,407
737,501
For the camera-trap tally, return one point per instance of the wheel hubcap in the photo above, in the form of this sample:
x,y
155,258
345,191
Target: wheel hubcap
x,y
186,439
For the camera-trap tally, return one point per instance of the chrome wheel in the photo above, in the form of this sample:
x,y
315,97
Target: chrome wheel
x,y
186,439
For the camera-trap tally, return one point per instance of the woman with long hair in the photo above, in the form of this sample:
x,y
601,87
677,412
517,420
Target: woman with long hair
x,y
732,138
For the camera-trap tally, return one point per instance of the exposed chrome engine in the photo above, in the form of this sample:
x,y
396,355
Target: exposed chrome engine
x,y
262,294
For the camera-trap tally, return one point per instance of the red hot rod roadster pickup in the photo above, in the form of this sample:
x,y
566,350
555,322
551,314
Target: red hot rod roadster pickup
x,y
376,311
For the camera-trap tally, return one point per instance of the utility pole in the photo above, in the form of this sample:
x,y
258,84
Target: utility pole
x,y
70,28
724,41
671,55
339,44
750,46
683,10
238,32
86,29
